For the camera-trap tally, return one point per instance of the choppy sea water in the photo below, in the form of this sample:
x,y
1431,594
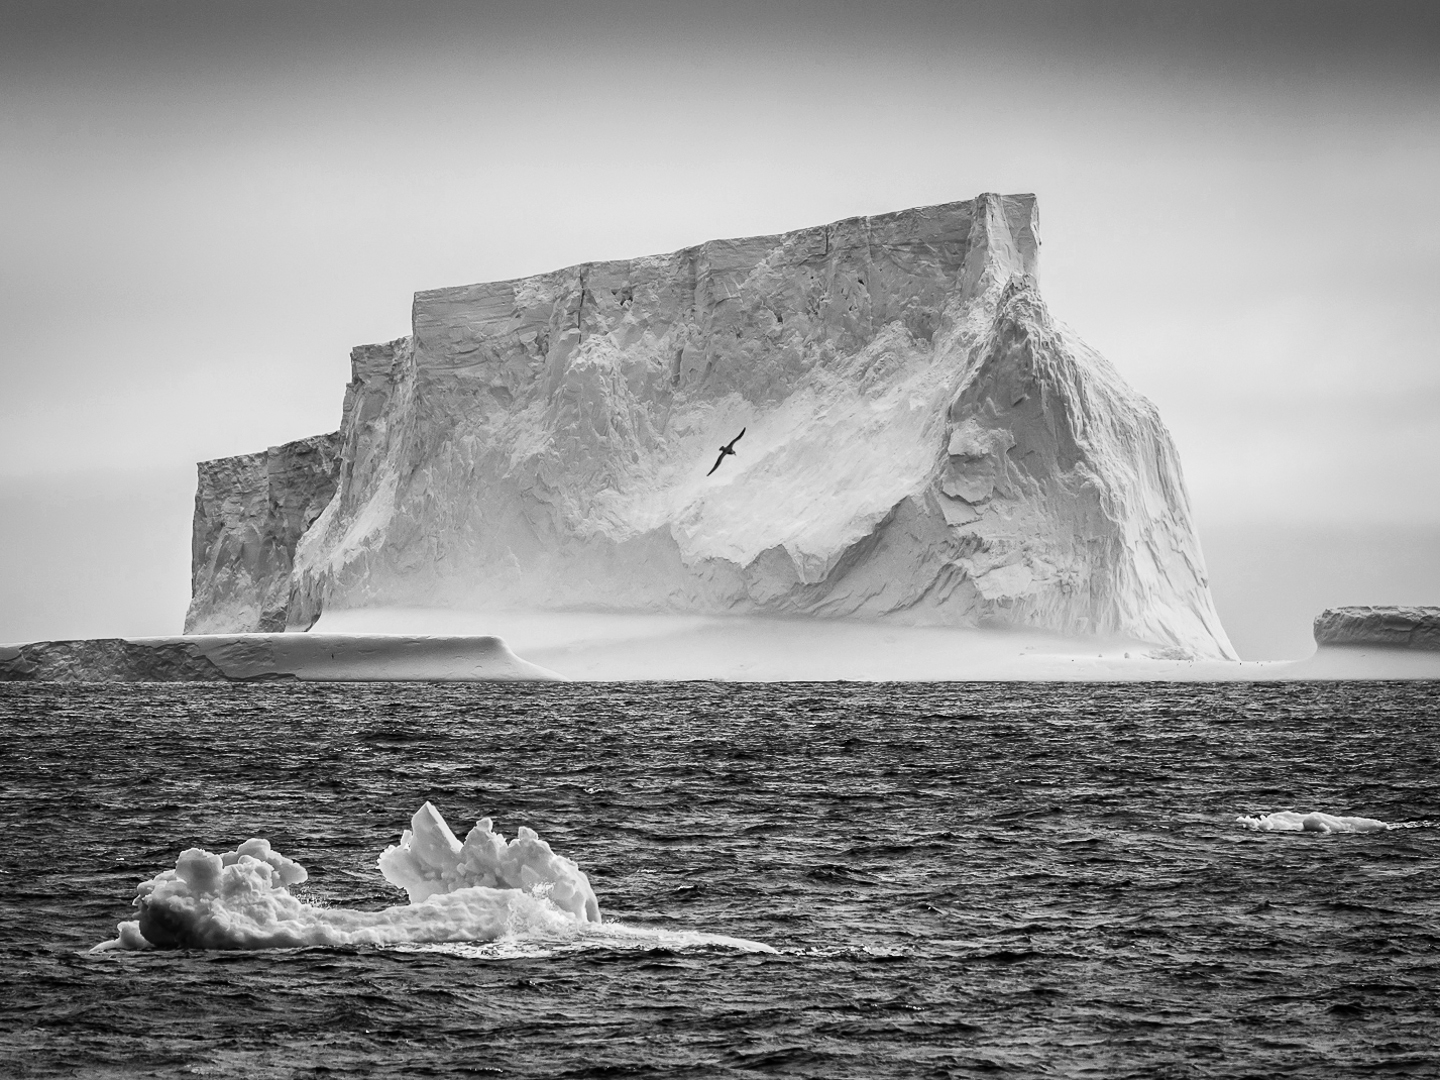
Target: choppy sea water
x,y
958,880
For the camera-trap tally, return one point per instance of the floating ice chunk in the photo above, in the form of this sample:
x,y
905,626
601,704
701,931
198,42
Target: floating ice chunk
x,y
477,891
219,901
426,859
1289,821
249,911
429,860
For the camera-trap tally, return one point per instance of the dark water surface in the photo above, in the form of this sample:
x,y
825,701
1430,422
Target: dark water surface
x,y
960,880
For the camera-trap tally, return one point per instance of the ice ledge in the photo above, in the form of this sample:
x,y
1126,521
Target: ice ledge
x,y
989,218
597,646
247,657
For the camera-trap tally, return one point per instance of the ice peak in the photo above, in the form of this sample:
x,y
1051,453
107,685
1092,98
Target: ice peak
x,y
1004,242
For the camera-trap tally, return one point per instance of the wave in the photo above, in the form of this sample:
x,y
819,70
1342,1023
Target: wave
x,y
611,936
1316,822
484,890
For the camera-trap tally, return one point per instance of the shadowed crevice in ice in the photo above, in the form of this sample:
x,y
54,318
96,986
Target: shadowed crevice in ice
x,y
482,890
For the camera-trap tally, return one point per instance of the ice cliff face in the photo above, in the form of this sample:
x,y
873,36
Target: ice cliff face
x,y
250,512
923,444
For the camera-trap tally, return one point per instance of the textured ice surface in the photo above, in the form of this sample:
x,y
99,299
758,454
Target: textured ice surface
x,y
924,445
429,861
482,891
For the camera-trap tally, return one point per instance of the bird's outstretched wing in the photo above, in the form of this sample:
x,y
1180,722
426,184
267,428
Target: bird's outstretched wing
x,y
717,464
737,438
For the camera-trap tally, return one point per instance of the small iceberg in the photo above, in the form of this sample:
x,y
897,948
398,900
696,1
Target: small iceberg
x,y
1289,821
483,890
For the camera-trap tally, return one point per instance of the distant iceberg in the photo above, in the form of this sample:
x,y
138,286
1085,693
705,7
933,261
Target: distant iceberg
x,y
1389,627
1315,822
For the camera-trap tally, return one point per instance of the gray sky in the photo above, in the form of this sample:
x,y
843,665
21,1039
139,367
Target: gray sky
x,y
207,205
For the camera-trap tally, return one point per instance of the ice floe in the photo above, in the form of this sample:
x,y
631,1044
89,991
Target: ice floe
x,y
485,890
1290,821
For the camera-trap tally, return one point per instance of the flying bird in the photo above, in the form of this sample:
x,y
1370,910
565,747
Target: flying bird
x,y
726,450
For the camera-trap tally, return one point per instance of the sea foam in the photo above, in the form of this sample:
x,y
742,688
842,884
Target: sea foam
x,y
482,890
1289,821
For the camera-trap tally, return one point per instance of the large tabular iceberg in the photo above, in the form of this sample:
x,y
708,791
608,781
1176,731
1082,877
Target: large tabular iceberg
x,y
924,444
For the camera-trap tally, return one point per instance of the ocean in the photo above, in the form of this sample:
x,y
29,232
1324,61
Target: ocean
x,y
956,880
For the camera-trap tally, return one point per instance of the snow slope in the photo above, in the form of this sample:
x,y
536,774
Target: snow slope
x,y
923,445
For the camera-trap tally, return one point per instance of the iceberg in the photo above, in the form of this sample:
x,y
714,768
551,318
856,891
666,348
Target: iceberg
x,y
925,445
1386,627
477,891
1316,822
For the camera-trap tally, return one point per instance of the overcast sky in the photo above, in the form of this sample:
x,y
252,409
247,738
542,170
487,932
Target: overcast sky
x,y
206,205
